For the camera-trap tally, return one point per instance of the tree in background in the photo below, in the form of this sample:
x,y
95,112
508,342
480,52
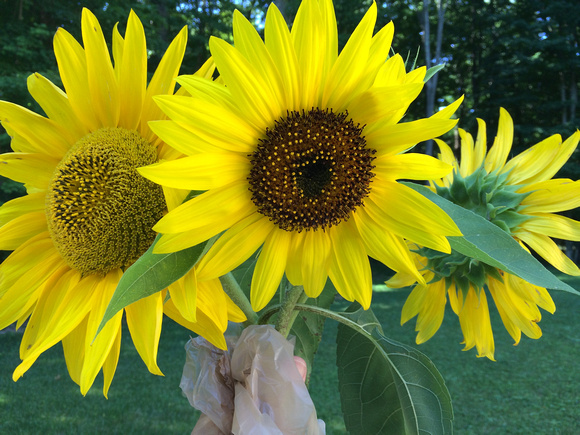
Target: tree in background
x,y
522,55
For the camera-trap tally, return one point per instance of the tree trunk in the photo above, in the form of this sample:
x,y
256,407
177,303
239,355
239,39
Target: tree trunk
x,y
431,85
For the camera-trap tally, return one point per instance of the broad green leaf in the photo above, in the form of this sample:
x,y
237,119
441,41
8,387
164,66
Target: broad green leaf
x,y
150,274
487,242
387,387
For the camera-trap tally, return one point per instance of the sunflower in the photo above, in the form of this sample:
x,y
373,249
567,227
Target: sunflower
x,y
88,214
520,196
299,150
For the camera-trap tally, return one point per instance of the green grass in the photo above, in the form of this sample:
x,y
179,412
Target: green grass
x,y
531,388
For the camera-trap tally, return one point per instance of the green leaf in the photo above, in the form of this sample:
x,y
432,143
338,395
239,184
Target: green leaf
x,y
488,243
387,387
308,327
150,274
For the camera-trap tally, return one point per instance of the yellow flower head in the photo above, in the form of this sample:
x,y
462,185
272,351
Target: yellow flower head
x,y
300,149
88,214
520,197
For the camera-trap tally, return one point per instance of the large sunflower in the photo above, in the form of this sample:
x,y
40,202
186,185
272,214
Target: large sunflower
x,y
88,214
520,197
299,149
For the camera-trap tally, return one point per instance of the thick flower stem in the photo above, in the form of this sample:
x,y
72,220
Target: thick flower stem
x,y
236,294
287,314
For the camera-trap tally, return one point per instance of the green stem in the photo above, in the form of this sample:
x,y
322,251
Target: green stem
x,y
269,312
236,294
326,313
287,315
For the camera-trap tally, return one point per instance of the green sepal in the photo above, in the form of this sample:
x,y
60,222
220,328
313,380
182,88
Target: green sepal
x,y
486,242
432,71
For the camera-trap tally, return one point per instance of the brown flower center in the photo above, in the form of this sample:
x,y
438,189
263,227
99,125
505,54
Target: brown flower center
x,y
311,170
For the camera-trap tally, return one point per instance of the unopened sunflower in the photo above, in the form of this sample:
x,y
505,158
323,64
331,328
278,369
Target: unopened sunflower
x,y
521,197
300,149
88,214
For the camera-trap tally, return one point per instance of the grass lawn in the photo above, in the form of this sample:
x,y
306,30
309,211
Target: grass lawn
x,y
531,388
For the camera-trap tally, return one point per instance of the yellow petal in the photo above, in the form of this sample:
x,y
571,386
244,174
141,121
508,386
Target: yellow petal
x,y
448,111
549,251
410,166
379,52
396,210
250,44
72,65
394,139
510,326
59,314
552,225
211,301
180,138
539,162
33,252
550,196
162,82
294,262
279,45
235,246
48,304
110,364
204,326
455,299
184,295
40,135
382,105
144,319
24,292
200,172
467,154
345,77
57,107
21,229
206,121
502,144
329,31
235,314
222,206
386,247
102,82
350,270
269,268
97,349
392,72
515,311
133,74
311,57
33,169
118,47
480,143
527,291
254,98
432,312
476,326
414,303
20,206
73,346
179,241
315,261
